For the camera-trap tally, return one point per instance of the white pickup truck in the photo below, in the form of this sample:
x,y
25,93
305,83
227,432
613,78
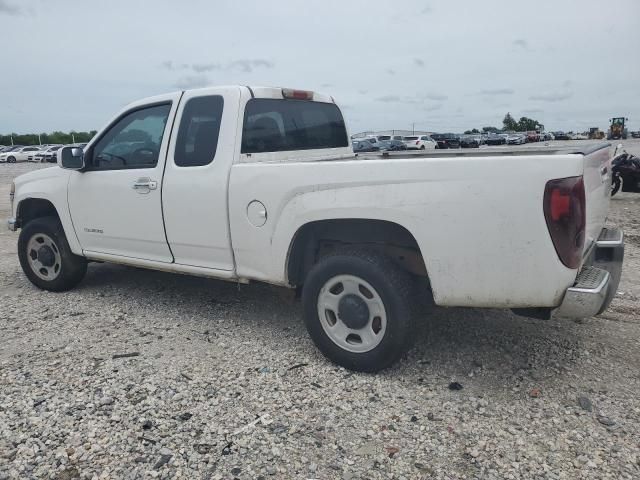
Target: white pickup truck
x,y
243,184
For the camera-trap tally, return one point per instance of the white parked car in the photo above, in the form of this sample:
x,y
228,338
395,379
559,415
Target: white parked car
x,y
419,142
47,154
261,184
516,139
21,154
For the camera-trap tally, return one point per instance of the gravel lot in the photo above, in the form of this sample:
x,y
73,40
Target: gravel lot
x,y
223,382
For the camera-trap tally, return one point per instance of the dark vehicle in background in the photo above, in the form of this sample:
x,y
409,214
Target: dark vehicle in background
x,y
561,136
469,141
635,134
446,140
625,170
364,146
495,139
391,145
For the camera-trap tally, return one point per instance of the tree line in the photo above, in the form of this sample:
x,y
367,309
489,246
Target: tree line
x,y
510,124
46,138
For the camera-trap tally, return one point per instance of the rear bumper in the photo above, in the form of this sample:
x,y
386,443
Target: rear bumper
x,y
597,282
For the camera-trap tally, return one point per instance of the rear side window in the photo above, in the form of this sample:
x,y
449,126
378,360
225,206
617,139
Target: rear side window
x,y
273,125
198,133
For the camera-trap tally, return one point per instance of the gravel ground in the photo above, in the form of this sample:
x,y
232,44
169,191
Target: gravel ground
x,y
221,381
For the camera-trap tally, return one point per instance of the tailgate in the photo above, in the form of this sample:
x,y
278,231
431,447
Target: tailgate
x,y
597,187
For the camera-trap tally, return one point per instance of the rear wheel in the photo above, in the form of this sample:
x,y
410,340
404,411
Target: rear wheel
x,y
46,258
357,309
11,160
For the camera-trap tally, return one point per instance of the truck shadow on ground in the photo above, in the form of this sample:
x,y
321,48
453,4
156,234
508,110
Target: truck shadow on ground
x,y
454,342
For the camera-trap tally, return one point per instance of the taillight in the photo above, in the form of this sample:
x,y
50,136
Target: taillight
x,y
565,213
418,142
297,94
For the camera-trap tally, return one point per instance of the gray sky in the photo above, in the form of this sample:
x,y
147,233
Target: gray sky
x,y
445,65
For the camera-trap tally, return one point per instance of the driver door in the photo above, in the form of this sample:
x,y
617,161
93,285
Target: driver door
x,y
115,202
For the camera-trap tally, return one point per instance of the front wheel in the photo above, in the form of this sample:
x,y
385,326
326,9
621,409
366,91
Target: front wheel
x,y
357,309
46,258
11,160
615,185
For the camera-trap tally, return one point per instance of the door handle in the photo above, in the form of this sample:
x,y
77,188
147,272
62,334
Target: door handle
x,y
144,185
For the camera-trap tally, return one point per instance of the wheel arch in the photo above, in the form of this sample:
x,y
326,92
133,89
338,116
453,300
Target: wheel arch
x,y
31,208
315,239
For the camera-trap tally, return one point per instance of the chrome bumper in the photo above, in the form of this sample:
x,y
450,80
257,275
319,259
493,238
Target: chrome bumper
x,y
597,282
12,224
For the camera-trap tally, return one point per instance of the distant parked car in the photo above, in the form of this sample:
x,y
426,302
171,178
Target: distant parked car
x,y
18,154
533,136
417,142
559,135
446,140
580,136
391,145
47,154
389,137
635,134
364,146
495,139
469,141
516,139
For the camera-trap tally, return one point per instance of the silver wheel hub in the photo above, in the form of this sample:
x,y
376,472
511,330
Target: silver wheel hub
x,y
44,257
352,313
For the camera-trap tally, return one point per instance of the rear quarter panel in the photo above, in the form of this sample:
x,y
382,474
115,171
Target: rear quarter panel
x,y
478,220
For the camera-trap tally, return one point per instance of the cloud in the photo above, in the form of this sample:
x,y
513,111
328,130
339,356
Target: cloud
x,y
192,81
433,108
327,85
363,92
426,10
248,65
435,96
205,67
390,71
243,65
551,97
521,42
7,8
389,99
498,91
171,66
419,62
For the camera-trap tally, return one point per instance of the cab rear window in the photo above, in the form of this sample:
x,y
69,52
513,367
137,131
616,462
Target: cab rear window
x,y
274,125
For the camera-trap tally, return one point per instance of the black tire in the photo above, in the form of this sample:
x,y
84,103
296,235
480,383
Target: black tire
x,y
615,186
11,160
72,268
393,285
423,147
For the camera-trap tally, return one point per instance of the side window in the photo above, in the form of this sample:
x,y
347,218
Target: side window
x,y
198,133
133,141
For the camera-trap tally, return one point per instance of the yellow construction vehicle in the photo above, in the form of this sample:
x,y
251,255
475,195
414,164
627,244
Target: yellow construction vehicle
x,y
617,129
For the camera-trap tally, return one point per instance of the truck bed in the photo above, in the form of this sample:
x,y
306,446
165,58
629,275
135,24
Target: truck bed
x,y
515,150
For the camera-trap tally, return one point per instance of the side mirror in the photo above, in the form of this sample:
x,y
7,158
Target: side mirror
x,y
71,158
